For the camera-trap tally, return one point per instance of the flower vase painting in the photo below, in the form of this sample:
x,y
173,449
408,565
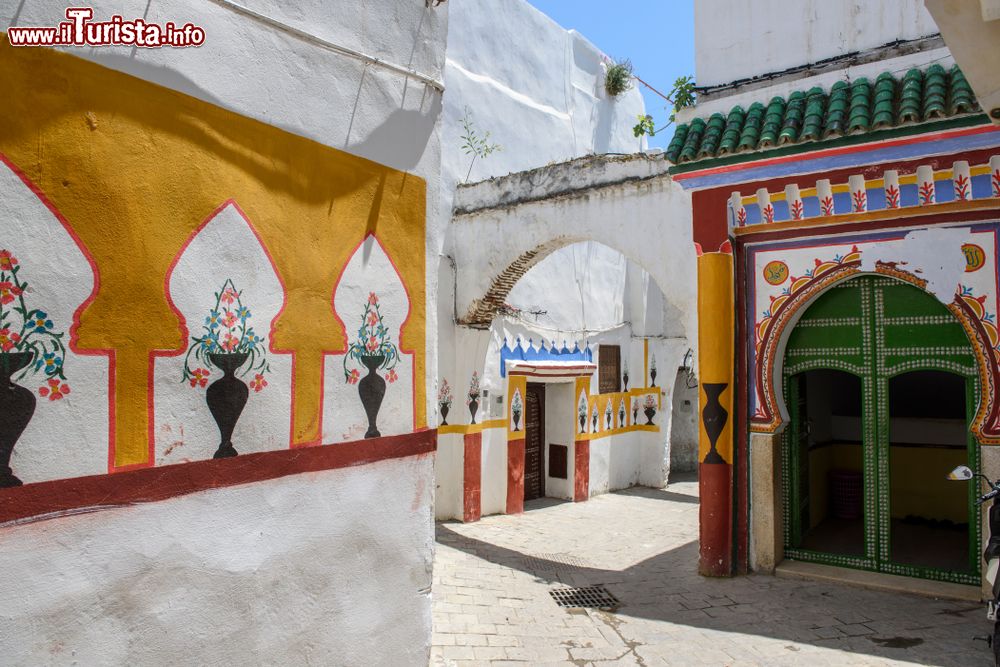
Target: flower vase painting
x,y
444,401
472,400
582,412
649,408
374,350
229,344
29,346
516,408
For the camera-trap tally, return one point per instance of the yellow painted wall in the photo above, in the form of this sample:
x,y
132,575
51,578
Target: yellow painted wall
x,y
135,168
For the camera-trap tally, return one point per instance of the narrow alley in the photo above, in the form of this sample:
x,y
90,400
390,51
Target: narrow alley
x,y
492,603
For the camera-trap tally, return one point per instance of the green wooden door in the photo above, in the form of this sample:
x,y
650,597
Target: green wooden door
x,y
849,346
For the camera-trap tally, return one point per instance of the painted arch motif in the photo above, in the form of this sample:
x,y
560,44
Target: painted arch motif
x,y
771,332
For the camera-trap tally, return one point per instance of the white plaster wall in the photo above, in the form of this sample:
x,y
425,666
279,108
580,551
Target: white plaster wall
x,y
329,568
449,476
684,426
600,465
493,493
560,416
744,38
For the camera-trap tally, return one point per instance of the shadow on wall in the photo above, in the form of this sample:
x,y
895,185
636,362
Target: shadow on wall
x,y
684,426
401,138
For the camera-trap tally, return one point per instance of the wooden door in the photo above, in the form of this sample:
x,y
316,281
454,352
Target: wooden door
x,y
534,441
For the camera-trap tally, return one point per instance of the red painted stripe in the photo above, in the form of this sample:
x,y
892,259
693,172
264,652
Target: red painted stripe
x,y
831,152
515,476
45,500
472,509
581,464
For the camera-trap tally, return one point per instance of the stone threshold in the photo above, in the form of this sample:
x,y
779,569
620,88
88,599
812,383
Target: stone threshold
x,y
878,581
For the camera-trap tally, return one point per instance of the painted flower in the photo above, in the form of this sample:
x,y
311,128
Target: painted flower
x,y
7,261
372,299
41,321
8,291
229,319
8,339
212,321
372,344
243,313
50,363
372,319
391,375
252,339
199,377
353,376
258,382
55,391
229,342
650,401
229,295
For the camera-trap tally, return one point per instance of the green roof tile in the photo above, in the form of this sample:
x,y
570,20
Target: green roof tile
x,y
855,107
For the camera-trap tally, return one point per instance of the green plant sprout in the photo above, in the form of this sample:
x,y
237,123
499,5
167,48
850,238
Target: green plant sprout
x,y
475,145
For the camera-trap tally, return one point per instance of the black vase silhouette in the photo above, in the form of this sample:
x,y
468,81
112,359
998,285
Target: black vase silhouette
x,y
595,422
226,398
714,417
625,378
517,419
621,417
583,423
652,377
635,415
444,414
473,408
649,412
17,405
371,389
608,419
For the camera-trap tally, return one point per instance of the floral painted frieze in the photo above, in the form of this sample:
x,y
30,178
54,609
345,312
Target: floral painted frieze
x,y
29,345
956,265
229,344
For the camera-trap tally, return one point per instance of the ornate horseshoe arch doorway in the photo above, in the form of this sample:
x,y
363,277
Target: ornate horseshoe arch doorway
x,y
881,385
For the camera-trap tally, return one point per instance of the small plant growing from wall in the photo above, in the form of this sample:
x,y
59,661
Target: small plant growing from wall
x,y
475,145
444,401
681,95
228,343
374,349
617,77
28,345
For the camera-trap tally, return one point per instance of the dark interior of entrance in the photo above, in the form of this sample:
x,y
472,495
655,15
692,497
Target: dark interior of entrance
x,y
830,505
928,435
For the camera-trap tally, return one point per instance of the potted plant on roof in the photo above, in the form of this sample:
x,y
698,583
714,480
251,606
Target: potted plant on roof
x,y
515,409
649,408
375,350
444,401
28,345
472,400
228,343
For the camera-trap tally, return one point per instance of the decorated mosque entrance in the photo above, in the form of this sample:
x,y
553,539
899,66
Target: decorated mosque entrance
x,y
880,383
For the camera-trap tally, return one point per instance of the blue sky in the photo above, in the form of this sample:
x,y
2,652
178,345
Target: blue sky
x,y
658,37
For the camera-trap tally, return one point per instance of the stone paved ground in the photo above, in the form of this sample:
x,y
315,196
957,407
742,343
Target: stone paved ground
x,y
491,601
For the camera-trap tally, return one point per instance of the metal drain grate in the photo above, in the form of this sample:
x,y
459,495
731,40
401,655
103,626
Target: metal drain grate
x,y
553,561
594,597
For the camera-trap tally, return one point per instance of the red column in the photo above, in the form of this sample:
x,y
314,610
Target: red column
x,y
581,467
472,508
515,476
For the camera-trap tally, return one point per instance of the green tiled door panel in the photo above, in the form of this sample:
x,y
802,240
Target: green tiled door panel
x,y
873,327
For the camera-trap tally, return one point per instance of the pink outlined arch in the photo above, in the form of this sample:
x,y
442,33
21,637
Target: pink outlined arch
x,y
185,333
74,338
402,325
771,415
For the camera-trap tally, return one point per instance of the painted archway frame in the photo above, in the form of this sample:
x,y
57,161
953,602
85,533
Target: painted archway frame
x,y
772,334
